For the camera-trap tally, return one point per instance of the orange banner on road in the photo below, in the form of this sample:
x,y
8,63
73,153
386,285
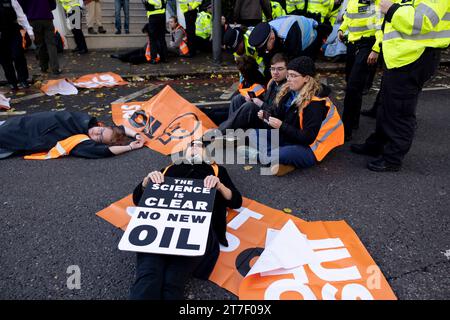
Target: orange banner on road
x,y
167,121
341,267
99,80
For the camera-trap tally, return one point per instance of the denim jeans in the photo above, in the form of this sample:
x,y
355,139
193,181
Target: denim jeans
x,y
125,4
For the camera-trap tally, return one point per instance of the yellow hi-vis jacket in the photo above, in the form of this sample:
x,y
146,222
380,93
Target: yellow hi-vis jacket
x,y
62,148
322,7
331,133
159,7
277,11
186,5
214,166
412,27
69,4
203,25
361,20
251,52
292,5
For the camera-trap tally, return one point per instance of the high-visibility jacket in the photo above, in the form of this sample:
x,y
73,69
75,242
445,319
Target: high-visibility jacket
x,y
184,50
256,88
282,25
203,25
62,148
148,55
159,5
251,51
69,4
413,27
331,133
332,16
322,7
277,11
214,166
361,20
186,4
292,5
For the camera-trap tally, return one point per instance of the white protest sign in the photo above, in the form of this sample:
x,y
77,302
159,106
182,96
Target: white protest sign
x,y
172,218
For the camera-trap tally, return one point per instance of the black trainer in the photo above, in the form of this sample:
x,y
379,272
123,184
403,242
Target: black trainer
x,y
365,150
380,165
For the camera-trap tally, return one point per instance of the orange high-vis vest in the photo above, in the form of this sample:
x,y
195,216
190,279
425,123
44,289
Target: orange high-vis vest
x,y
213,165
184,50
256,88
148,55
331,133
62,148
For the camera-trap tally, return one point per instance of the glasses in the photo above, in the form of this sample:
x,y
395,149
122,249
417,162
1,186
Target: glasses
x,y
279,69
292,75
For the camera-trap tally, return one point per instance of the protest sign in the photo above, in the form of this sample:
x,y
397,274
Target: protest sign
x,y
99,80
172,218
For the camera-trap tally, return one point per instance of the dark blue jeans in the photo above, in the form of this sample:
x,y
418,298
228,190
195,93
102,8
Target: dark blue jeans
x,y
125,5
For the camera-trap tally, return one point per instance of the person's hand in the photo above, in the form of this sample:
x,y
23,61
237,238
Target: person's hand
x,y
340,36
373,58
211,182
247,98
137,144
258,102
260,114
385,5
275,123
155,177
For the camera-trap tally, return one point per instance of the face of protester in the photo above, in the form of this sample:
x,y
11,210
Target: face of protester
x,y
195,151
278,71
101,134
295,80
172,24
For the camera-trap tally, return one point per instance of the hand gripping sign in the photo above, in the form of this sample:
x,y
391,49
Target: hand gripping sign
x,y
172,218
167,121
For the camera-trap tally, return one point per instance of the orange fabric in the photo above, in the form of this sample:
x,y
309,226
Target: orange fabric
x,y
331,133
184,49
167,121
100,80
256,88
148,56
62,148
249,236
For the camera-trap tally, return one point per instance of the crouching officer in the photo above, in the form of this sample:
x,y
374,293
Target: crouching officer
x,y
414,33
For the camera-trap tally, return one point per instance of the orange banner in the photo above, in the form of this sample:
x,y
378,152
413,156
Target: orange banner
x,y
168,121
343,268
99,80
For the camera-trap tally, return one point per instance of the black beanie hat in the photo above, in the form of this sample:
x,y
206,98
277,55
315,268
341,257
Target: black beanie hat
x,y
303,65
232,38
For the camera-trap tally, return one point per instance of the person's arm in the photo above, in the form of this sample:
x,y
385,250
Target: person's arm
x,y
134,145
313,116
225,187
22,19
266,8
131,133
52,4
178,37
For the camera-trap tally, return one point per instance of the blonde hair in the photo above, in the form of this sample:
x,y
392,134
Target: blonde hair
x,y
309,89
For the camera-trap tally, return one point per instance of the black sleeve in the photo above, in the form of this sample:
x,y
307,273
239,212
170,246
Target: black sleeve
x,y
236,198
293,43
137,194
52,4
266,8
313,115
91,150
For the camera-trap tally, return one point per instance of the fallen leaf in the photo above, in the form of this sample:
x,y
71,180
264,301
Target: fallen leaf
x,y
287,210
247,168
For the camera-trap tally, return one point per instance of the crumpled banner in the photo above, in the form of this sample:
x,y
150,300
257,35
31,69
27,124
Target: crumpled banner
x,y
99,80
329,261
60,86
4,102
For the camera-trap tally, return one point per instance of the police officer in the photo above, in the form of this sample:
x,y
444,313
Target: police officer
x,y
291,35
74,15
414,33
363,21
203,29
156,14
295,7
12,57
189,9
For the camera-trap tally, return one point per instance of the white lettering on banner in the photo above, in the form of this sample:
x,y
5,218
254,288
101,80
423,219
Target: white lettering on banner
x,y
102,80
128,110
233,243
242,217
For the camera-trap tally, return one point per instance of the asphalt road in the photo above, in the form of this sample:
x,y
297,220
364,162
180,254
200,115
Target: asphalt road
x,y
48,222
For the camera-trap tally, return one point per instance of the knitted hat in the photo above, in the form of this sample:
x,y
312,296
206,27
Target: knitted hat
x,y
303,65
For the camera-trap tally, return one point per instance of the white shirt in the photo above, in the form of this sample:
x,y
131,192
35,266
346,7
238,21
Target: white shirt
x,y
22,18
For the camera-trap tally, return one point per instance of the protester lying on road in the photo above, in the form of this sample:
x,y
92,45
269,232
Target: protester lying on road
x,y
160,276
54,134
309,123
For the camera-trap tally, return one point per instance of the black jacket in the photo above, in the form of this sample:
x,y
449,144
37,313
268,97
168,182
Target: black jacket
x,y
41,131
313,115
218,220
269,96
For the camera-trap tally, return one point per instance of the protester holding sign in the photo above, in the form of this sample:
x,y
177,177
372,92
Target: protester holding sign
x,y
63,132
160,276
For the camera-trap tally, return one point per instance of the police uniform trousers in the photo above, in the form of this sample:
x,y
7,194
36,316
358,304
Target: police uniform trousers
x,y
12,57
396,116
190,17
157,36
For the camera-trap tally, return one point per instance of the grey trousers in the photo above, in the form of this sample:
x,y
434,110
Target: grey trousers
x,y
44,32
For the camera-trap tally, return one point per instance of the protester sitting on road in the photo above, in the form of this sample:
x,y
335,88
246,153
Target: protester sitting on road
x,y
160,276
178,38
64,133
279,71
309,123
